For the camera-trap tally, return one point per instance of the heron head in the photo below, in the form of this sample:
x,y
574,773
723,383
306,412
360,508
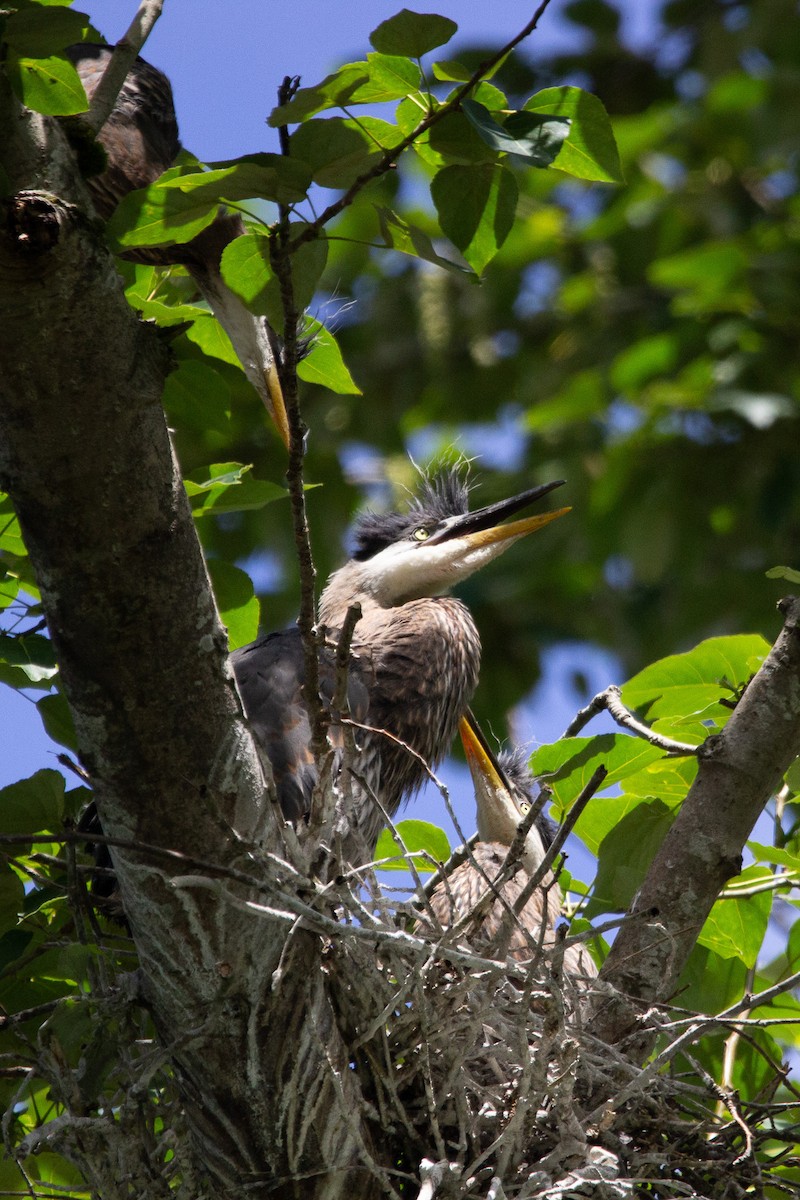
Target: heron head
x,y
438,542
502,804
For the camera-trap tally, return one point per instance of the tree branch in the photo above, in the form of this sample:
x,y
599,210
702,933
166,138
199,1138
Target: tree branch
x,y
120,63
739,769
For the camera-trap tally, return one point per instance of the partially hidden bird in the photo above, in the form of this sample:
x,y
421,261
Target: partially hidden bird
x,y
141,141
482,894
414,657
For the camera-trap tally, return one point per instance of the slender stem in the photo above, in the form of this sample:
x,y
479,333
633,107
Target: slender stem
x,y
280,258
610,702
120,63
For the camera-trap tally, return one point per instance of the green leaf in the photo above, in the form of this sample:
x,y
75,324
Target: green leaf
x,y
683,684
33,805
736,928
159,215
419,837
324,364
528,136
412,33
27,660
569,764
476,208
399,234
625,855
774,854
9,587
590,151
265,176
197,397
452,140
246,270
338,150
39,31
49,85
787,573
236,600
381,78
207,333
57,720
228,487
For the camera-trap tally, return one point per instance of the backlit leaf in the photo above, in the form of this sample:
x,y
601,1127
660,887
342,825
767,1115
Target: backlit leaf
x,y
590,151
324,364
476,208
49,85
682,684
533,138
33,805
412,34
237,602
418,837
568,765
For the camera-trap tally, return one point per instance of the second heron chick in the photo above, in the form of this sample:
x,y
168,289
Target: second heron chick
x,y
485,892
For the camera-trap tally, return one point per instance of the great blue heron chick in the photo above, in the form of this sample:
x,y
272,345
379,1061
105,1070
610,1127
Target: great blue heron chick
x,y
415,654
505,789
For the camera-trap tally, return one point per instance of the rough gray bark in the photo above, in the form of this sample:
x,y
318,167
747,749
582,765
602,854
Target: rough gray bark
x,y
739,769
86,456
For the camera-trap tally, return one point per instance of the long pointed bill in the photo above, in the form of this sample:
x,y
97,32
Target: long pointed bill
x,y
498,816
277,407
483,528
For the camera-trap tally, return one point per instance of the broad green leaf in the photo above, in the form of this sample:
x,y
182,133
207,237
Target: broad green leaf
x,y
601,816
266,176
335,90
736,928
787,573
57,720
12,895
452,140
197,397
159,215
383,77
590,151
476,208
398,234
40,31
10,533
667,778
324,364
528,136
689,683
782,857
9,588
33,805
625,855
568,765
228,487
207,333
338,149
391,78
237,602
49,85
246,268
418,836
27,660
412,34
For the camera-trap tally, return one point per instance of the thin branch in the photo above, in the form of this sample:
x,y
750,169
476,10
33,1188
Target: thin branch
x,y
391,156
280,260
609,701
120,63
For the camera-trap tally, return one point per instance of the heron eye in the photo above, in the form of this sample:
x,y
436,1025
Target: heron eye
x,y
524,807
421,534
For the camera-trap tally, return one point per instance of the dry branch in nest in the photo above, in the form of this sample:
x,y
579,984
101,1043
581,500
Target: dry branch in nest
x,y
482,1068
